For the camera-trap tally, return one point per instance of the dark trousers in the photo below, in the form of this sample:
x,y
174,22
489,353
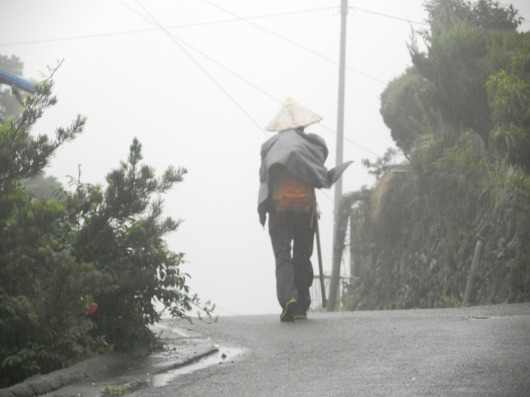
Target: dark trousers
x,y
292,236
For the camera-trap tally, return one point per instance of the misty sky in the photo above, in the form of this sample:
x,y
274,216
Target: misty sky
x,y
196,82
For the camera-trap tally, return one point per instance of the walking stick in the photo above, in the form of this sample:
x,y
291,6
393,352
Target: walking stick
x,y
321,270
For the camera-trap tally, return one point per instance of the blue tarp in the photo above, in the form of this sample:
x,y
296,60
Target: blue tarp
x,y
20,83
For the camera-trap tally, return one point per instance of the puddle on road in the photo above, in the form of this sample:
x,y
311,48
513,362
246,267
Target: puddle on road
x,y
225,355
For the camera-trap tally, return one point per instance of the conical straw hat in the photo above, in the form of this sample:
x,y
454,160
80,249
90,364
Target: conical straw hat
x,y
292,115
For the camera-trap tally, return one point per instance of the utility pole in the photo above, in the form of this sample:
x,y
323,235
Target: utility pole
x,y
335,271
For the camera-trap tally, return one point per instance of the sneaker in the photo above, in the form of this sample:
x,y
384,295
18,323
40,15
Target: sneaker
x,y
287,313
300,316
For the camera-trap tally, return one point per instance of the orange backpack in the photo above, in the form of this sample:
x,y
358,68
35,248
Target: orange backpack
x,y
291,194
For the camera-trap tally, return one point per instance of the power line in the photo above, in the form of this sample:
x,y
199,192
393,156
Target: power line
x,y
174,39
270,95
238,18
181,43
147,30
154,21
260,27
350,140
380,14
237,75
410,21
244,19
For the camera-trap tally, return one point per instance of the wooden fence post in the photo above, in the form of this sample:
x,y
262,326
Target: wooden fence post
x,y
468,294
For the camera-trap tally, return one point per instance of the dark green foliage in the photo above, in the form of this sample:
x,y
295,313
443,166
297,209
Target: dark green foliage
x,y
120,231
509,92
24,156
43,320
411,234
10,106
44,187
446,87
483,14
405,107
461,116
81,270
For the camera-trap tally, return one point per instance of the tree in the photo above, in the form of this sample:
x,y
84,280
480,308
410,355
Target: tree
x,y
466,44
509,93
121,230
460,115
43,187
39,319
484,14
81,270
24,156
406,109
9,103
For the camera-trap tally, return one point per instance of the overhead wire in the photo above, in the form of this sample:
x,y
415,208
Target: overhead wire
x,y
380,14
154,21
181,43
263,91
299,45
237,75
237,18
170,27
231,13
305,48
350,140
202,53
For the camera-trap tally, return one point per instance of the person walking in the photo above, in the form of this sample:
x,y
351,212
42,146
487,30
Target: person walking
x,y
292,167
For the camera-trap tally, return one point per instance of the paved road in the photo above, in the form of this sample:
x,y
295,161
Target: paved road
x,y
482,351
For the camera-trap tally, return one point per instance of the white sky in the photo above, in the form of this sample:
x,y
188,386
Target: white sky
x,y
200,97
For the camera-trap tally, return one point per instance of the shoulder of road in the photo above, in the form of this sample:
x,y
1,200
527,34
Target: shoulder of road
x,y
181,347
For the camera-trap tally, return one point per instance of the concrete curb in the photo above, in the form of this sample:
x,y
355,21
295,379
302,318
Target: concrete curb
x,y
181,349
55,380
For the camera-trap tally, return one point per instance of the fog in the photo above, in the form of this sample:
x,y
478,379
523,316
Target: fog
x,y
196,82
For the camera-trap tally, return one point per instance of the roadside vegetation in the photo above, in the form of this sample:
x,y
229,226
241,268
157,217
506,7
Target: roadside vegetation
x,y
451,224
81,268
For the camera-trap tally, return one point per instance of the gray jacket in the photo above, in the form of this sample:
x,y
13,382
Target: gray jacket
x,y
303,155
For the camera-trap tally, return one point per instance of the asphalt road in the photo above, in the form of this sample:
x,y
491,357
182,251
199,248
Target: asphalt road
x,y
479,351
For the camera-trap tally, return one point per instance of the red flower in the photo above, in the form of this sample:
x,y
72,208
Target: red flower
x,y
91,309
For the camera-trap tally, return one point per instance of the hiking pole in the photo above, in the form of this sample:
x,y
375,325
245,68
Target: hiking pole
x,y
321,270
